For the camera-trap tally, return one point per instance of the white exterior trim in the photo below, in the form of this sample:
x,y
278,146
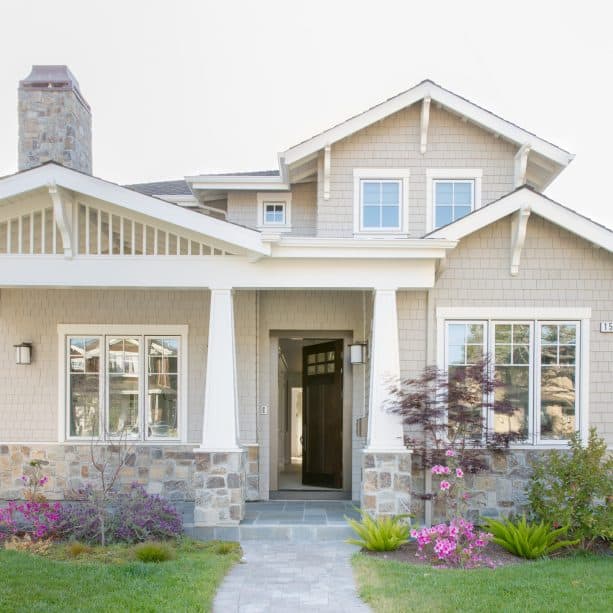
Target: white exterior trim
x,y
274,197
541,205
400,174
182,331
231,235
447,99
488,314
432,174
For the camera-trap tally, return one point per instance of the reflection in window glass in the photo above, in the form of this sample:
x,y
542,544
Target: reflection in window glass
x,y
123,386
162,386
512,370
558,385
84,386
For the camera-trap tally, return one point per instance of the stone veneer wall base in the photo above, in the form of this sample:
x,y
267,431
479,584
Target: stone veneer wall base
x,y
220,484
386,483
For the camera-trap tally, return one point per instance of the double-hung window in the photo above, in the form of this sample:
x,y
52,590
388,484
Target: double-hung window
x,y
536,366
380,200
124,384
452,199
451,193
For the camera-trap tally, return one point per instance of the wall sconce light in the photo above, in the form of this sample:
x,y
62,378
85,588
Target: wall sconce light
x,y
23,353
357,353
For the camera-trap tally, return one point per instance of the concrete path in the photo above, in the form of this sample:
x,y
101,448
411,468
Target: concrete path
x,y
277,577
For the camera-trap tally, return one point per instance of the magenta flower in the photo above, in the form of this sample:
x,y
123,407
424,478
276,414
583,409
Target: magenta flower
x,y
438,469
459,473
445,485
450,453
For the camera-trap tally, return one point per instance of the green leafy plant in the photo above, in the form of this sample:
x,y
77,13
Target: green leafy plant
x,y
575,488
381,533
154,552
76,549
528,540
225,548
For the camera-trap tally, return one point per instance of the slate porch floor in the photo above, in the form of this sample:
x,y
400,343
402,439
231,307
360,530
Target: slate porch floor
x,y
300,512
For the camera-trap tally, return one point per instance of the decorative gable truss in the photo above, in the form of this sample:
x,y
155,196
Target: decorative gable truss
x,y
74,227
52,210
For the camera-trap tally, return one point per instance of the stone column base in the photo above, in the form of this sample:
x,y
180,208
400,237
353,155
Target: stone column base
x,y
220,488
386,483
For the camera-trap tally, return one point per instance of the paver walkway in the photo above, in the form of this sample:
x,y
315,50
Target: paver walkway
x,y
278,577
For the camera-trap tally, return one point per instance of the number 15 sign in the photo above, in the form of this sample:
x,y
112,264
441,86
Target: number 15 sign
x,y
606,326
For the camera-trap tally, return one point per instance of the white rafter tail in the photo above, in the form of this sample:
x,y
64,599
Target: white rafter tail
x,y
521,165
327,165
519,227
62,212
425,121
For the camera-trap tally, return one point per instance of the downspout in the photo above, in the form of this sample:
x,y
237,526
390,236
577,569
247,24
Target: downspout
x,y
428,473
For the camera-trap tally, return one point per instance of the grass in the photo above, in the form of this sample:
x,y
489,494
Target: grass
x,y
111,579
578,583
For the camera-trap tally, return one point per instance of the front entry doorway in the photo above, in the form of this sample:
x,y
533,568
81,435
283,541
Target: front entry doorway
x,y
310,448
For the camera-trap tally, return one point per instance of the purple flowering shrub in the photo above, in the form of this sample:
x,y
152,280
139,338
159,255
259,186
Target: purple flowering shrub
x,y
128,517
38,520
142,517
455,545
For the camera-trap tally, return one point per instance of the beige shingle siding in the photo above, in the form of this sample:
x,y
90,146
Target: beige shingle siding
x,y
394,143
558,269
242,209
29,398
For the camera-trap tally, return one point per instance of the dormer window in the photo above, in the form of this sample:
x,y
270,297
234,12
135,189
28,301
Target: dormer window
x,y
451,193
381,197
274,211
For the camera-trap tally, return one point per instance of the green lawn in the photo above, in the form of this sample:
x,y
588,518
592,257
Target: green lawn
x,y
582,583
111,580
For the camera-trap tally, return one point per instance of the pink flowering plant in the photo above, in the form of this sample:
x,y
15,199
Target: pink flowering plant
x,y
34,480
453,545
38,520
451,486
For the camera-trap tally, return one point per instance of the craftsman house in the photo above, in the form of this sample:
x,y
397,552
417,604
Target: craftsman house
x,y
242,329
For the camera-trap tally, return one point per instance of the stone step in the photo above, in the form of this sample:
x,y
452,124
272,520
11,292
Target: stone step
x,y
291,533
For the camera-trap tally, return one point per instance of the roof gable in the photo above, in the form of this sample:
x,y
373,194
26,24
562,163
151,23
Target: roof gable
x,y
526,200
224,235
428,90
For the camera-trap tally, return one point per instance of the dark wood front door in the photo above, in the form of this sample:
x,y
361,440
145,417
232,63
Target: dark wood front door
x,y
322,414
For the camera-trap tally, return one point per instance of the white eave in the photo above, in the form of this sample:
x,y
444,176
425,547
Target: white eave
x,y
231,235
351,248
452,102
237,182
527,200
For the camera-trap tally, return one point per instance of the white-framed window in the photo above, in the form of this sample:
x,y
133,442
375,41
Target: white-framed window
x,y
540,364
381,197
274,211
451,193
123,380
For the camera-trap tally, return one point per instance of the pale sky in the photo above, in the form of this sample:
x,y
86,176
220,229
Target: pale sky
x,y
183,87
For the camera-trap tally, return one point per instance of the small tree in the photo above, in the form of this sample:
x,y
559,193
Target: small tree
x,y
446,417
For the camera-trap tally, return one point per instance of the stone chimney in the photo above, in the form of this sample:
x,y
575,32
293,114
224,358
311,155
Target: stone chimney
x,y
55,121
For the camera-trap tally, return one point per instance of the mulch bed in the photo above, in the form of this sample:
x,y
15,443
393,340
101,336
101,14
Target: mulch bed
x,y
406,554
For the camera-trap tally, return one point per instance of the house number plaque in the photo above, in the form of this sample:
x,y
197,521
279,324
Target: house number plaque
x,y
606,326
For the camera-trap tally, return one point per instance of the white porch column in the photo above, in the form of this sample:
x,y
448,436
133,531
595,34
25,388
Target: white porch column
x,y
220,426
385,432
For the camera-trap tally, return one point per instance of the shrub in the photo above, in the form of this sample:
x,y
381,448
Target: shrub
x,y
154,552
225,548
76,549
528,540
574,489
142,517
455,544
380,534
131,517
38,520
29,545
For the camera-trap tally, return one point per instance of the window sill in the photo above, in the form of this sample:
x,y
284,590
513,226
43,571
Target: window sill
x,y
365,235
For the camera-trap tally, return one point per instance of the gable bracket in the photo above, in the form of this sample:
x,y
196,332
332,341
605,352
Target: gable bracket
x,y
521,165
425,121
62,212
327,164
519,227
